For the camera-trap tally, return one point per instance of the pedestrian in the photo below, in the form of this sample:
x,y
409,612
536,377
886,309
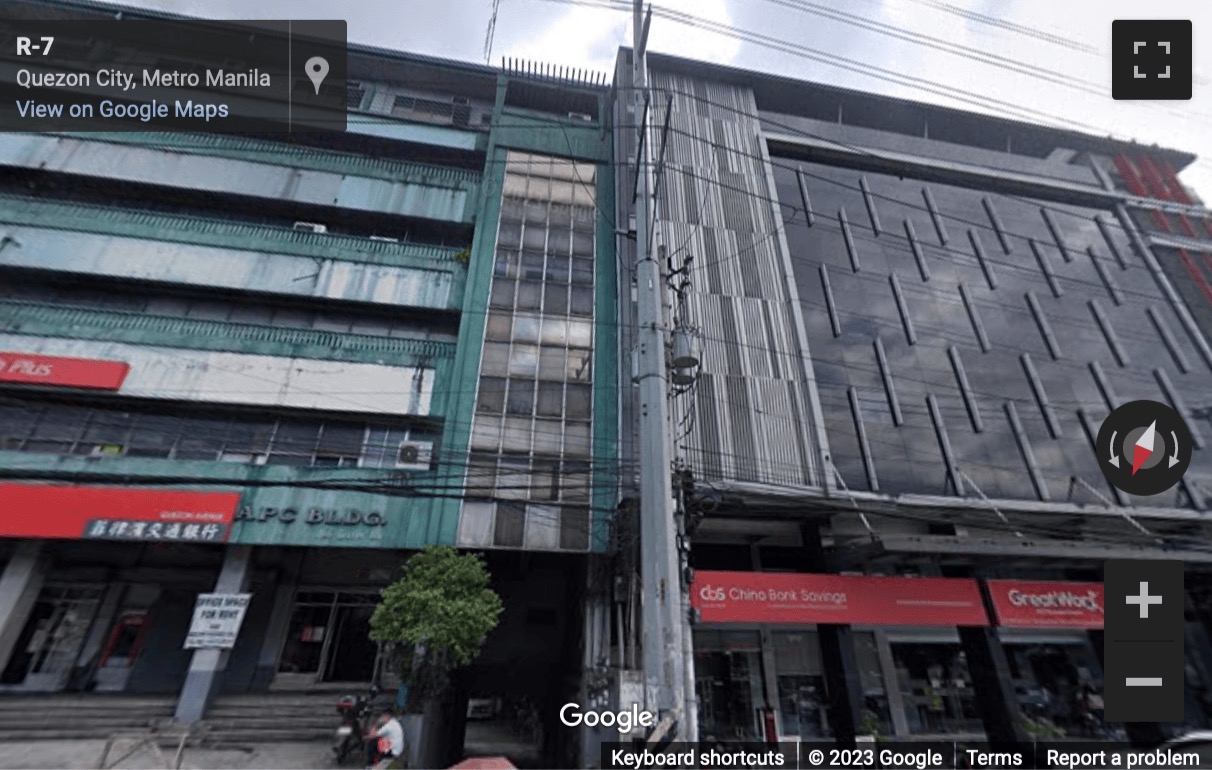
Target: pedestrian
x,y
385,743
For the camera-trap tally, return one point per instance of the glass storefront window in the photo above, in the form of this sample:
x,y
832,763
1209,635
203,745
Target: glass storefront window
x,y
728,684
936,689
803,698
1059,688
305,639
876,711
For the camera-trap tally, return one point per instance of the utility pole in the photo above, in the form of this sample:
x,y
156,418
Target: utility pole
x,y
664,653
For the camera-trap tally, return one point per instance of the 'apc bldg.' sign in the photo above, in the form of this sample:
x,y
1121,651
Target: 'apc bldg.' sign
x,y
350,517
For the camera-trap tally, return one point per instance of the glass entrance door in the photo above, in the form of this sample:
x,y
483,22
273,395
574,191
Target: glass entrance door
x,y
353,653
328,639
51,640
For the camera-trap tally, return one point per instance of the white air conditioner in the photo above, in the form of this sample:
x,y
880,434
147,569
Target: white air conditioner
x,y
384,239
311,227
414,455
580,116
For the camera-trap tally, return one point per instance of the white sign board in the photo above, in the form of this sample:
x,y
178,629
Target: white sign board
x,y
217,619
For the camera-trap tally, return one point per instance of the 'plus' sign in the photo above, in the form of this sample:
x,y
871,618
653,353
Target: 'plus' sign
x,y
1144,600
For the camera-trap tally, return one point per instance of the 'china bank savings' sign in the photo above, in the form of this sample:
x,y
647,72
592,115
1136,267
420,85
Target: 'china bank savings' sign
x,y
799,598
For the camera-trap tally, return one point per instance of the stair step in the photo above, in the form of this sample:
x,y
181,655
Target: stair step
x,y
271,722
267,736
24,704
113,721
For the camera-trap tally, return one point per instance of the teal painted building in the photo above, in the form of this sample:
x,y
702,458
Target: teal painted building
x,y
345,347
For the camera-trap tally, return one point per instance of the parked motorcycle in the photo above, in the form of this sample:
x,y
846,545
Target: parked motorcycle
x,y
355,711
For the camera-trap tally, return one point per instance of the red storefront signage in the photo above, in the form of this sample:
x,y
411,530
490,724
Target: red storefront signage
x,y
34,369
1021,604
100,513
794,598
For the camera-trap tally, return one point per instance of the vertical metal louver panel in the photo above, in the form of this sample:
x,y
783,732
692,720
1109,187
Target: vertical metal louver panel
x,y
752,416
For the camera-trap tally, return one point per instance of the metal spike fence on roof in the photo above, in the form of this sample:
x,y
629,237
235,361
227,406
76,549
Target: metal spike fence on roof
x,y
553,73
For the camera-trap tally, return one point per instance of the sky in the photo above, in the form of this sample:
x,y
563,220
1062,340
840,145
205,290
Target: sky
x,y
1050,57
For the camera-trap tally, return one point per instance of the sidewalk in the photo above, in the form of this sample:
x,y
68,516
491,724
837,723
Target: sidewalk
x,y
84,755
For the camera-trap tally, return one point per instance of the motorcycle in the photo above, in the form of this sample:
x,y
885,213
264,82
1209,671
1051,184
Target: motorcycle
x,y
355,711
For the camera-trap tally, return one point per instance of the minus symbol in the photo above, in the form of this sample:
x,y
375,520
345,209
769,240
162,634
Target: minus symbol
x,y
1143,681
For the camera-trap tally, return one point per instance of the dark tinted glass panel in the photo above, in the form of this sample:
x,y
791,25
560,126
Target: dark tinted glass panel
x,y
510,524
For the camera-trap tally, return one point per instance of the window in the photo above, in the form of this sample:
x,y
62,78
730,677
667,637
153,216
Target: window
x,y
481,475
582,301
555,299
201,439
15,426
558,269
532,264
510,235
502,294
521,398
58,431
580,334
524,361
535,397
511,524
551,399
553,363
530,295
580,402
534,237
492,395
526,328
496,358
104,432
513,477
498,326
154,435
582,271
340,445
506,264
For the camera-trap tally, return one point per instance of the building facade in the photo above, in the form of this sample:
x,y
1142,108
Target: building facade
x,y
912,321
278,365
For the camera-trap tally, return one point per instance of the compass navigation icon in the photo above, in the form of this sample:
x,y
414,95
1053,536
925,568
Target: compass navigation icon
x,y
1144,448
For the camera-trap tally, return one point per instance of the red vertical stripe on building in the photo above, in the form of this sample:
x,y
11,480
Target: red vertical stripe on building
x,y
1193,269
1128,171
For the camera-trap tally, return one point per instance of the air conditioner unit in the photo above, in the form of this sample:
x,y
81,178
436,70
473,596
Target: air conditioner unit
x,y
311,227
384,239
580,116
414,455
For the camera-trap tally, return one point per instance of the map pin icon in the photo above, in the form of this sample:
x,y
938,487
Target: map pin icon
x,y
317,69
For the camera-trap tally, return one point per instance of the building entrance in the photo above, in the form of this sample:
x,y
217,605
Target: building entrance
x,y
329,639
48,646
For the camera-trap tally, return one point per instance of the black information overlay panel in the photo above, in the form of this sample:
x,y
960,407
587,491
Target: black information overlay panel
x,y
159,75
1143,641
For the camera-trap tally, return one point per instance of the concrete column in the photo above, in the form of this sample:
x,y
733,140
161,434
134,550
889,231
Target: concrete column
x,y
996,700
20,585
892,685
838,661
275,636
207,666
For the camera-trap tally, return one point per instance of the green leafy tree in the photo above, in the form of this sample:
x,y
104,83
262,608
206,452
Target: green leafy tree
x,y
434,619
